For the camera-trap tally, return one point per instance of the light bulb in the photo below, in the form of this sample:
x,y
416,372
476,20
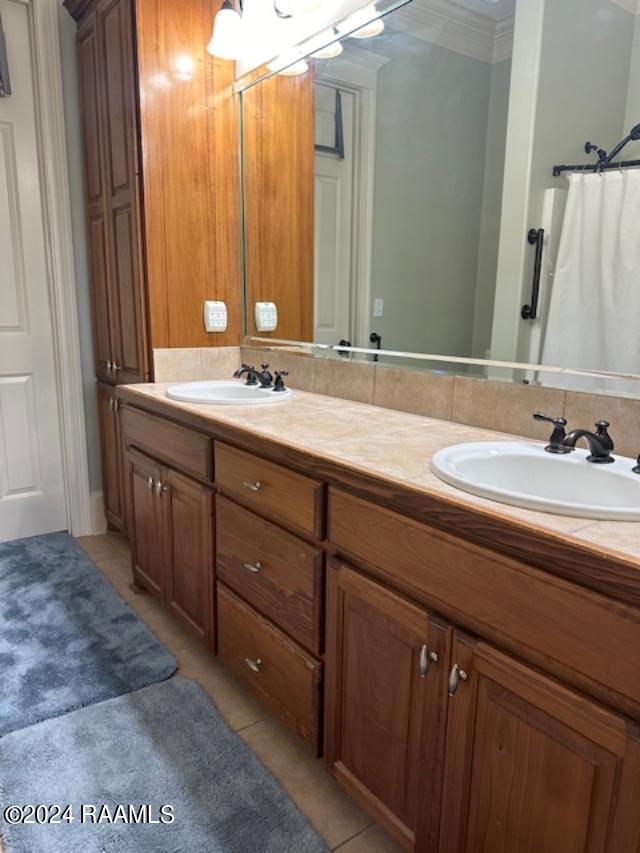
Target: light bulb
x,y
288,65
329,52
226,41
324,46
363,24
370,30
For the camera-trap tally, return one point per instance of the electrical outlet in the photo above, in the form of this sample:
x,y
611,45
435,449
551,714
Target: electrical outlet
x,y
378,307
266,315
215,316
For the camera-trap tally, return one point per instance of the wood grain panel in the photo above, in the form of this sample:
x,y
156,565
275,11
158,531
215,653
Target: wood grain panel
x,y
531,766
279,168
188,509
182,448
271,489
147,524
188,114
385,718
527,608
288,679
284,580
113,469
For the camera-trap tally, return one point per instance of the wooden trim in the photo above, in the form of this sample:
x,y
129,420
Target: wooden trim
x,y
77,8
582,563
52,144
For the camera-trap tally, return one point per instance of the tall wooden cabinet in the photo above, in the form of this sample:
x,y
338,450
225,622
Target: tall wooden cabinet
x,y
161,189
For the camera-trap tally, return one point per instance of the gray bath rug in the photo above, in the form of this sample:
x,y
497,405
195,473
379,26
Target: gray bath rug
x,y
67,639
163,753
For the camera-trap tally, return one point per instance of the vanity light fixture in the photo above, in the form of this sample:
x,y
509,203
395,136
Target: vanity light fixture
x,y
363,24
226,41
291,69
331,50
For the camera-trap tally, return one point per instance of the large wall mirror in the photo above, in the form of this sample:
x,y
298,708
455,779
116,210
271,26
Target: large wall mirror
x,y
424,185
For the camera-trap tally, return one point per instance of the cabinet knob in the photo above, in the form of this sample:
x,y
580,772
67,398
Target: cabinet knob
x,y
151,483
160,488
253,487
253,664
455,677
109,366
427,658
253,567
117,367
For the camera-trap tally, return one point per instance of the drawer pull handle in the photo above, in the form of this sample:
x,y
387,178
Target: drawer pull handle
x,y
426,658
253,567
253,664
253,487
455,677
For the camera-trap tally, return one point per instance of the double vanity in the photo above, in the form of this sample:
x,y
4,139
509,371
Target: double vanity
x,y
469,670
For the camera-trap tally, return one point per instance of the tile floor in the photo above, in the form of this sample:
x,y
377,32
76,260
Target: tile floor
x,y
335,816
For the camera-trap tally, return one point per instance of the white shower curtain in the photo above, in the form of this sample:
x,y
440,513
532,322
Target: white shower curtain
x,y
594,313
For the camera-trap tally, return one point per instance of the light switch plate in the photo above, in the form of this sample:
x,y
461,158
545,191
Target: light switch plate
x,y
215,316
378,307
266,316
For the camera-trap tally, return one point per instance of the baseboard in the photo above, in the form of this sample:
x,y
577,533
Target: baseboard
x,y
98,518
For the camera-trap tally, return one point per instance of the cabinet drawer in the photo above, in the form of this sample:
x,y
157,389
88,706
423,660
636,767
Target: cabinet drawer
x,y
272,489
530,611
284,676
182,448
273,570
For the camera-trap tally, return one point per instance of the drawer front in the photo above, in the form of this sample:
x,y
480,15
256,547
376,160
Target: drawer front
x,y
273,570
283,675
523,607
184,449
271,489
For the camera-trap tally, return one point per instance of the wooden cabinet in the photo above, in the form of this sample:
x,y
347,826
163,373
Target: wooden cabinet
x,y
113,475
527,764
172,541
386,674
107,93
533,766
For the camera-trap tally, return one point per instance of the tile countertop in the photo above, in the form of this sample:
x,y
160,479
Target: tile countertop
x,y
395,447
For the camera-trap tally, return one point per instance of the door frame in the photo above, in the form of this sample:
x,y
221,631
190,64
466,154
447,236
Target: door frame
x,y
54,175
360,80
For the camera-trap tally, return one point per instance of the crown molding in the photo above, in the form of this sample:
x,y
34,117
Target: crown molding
x,y
458,29
632,6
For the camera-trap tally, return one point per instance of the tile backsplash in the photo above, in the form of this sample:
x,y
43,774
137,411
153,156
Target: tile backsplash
x,y
491,404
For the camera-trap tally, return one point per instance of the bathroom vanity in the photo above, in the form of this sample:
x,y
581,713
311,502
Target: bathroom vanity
x,y
470,671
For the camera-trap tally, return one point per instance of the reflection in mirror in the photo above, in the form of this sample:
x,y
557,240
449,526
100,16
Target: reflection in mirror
x,y
424,189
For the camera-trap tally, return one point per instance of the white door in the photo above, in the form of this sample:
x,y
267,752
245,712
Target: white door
x,y
334,227
32,498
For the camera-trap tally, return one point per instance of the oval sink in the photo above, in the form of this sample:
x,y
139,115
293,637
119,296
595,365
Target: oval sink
x,y
525,475
226,393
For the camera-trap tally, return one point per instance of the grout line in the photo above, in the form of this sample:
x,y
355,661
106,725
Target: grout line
x,y
355,835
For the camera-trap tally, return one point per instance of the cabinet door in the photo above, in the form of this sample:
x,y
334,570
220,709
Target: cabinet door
x,y
119,122
532,767
385,708
188,511
147,522
87,49
113,475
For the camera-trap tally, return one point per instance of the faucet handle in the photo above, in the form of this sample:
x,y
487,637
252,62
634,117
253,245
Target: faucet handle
x,y
636,470
279,383
265,366
602,428
556,442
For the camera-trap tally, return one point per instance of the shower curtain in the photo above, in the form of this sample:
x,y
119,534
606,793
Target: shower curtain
x,y
594,313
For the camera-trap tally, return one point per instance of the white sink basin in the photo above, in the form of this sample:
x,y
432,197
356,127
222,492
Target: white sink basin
x,y
226,393
525,475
